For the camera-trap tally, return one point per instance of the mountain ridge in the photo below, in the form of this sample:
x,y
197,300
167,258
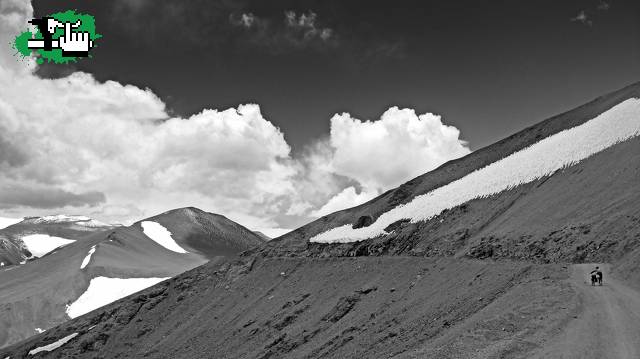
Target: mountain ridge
x,y
453,170
492,277
36,294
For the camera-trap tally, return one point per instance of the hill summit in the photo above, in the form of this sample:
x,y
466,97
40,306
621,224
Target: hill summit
x,y
66,266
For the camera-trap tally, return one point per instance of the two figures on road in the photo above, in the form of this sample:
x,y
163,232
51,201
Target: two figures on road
x,y
596,276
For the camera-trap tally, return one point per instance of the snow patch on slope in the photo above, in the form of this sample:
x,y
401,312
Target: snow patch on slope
x,y
41,244
541,159
53,346
105,290
161,235
86,259
6,222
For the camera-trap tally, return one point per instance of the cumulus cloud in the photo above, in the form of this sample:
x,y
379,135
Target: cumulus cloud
x,y
374,156
118,140
10,153
112,150
14,15
74,141
315,181
401,145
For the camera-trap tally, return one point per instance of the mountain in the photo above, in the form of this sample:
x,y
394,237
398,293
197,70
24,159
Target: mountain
x,y
194,228
483,257
33,237
103,263
564,189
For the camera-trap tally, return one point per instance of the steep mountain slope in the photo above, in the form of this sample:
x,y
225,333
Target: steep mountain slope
x,y
430,269
596,191
107,265
193,230
33,237
312,308
263,236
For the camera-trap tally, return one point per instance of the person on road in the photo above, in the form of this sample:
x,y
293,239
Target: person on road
x,y
596,276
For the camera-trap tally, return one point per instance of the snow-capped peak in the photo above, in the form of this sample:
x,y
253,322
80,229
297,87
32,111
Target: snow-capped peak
x,y
63,218
60,218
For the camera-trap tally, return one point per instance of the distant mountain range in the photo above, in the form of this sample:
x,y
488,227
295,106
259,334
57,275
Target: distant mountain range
x,y
33,237
57,267
471,260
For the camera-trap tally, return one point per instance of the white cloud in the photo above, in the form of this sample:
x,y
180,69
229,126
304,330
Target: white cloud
x,y
14,15
298,208
111,151
345,199
296,32
74,134
543,158
306,24
107,137
401,145
378,155
315,182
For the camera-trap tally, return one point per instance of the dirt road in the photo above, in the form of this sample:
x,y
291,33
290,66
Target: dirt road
x,y
609,325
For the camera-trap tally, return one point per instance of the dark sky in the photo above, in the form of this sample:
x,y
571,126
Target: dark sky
x,y
488,67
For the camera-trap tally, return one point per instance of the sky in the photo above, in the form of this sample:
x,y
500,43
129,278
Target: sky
x,y
275,113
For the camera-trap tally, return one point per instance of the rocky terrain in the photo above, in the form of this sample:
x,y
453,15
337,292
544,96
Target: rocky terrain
x,y
546,215
46,291
13,248
269,307
499,276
